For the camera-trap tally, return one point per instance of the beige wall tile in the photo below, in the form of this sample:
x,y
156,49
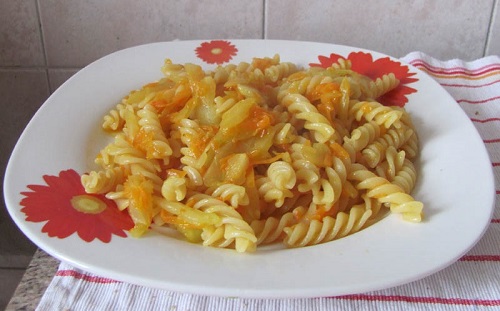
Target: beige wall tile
x,y
493,47
20,40
58,76
79,32
443,29
9,279
22,93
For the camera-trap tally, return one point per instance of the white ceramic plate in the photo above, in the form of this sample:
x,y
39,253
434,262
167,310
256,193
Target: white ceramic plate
x,y
455,184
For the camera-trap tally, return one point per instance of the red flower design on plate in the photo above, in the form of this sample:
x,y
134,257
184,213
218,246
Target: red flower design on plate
x,y
364,64
216,51
67,208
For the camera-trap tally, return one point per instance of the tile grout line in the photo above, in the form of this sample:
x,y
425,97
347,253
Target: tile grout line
x,y
264,19
37,68
44,50
12,68
13,268
493,14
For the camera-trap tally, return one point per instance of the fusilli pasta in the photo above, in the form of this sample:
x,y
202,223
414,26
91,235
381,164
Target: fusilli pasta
x,y
260,152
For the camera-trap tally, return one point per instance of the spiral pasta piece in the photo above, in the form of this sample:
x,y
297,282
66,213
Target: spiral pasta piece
x,y
269,230
157,146
342,63
382,115
375,152
271,192
406,177
387,193
113,120
410,146
303,85
285,134
383,85
398,169
234,194
194,138
279,71
314,121
223,104
363,135
121,153
233,228
326,191
174,188
327,229
103,181
141,166
306,172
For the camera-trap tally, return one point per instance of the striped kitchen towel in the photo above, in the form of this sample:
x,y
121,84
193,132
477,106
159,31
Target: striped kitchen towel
x,y
472,283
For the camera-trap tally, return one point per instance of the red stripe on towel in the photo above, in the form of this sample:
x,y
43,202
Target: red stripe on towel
x,y
433,300
481,258
477,102
490,141
456,70
485,120
458,85
85,277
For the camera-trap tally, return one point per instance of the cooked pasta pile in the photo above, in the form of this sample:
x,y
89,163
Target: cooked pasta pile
x,y
257,153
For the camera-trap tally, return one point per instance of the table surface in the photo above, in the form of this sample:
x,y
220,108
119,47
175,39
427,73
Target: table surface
x,y
35,281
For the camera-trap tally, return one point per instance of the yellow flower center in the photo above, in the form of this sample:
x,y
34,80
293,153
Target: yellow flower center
x,y
216,51
88,204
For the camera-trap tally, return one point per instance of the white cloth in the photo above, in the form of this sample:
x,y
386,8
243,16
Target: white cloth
x,y
472,283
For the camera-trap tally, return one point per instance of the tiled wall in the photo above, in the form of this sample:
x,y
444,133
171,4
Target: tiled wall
x,y
43,42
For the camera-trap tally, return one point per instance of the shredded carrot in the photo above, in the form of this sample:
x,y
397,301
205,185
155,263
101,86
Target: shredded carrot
x,y
329,96
328,160
319,213
140,190
144,141
175,172
190,202
199,143
262,63
167,217
339,151
250,182
168,107
277,157
327,109
159,104
151,85
383,130
366,108
175,220
260,117
224,163
322,89
257,123
297,76
298,214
